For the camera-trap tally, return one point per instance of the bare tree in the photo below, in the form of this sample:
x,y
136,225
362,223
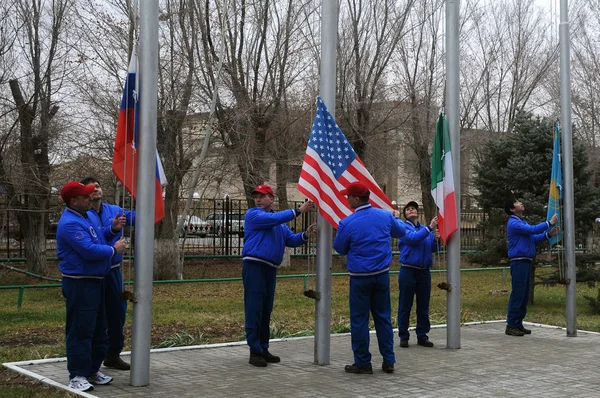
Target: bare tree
x,y
43,48
259,69
585,81
370,34
585,73
421,86
107,34
175,88
506,60
109,46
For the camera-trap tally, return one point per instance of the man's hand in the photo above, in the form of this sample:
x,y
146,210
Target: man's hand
x,y
120,246
119,222
554,219
434,222
554,231
306,206
311,230
436,233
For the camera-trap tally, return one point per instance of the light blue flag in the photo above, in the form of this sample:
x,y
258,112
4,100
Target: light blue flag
x,y
555,196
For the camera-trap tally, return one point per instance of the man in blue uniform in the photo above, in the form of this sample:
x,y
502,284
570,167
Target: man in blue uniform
x,y
116,307
364,237
266,236
84,261
414,278
522,239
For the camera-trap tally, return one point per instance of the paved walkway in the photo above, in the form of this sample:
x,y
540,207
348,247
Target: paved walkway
x,y
489,364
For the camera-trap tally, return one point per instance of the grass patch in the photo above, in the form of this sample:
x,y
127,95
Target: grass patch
x,y
183,339
201,313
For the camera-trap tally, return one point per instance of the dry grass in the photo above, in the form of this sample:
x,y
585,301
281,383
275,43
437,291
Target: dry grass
x,y
213,312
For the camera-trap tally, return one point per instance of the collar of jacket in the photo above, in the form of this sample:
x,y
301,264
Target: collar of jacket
x,y
362,207
417,225
77,213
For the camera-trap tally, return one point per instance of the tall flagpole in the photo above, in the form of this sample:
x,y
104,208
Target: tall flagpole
x,y
567,142
144,222
329,31
453,115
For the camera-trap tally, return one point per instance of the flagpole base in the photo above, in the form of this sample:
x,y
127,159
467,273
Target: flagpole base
x,y
312,294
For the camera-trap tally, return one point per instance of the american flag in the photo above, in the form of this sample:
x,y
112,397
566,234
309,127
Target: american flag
x,y
330,165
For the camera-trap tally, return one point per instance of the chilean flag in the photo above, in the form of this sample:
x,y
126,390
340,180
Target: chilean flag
x,y
125,154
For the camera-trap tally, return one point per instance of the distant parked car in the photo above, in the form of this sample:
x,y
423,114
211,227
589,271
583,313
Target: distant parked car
x,y
194,225
221,223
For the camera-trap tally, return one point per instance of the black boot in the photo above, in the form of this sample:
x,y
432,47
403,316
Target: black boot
x,y
257,360
270,357
524,330
513,331
354,368
114,361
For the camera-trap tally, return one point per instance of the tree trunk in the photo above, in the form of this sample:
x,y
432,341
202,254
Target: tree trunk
x,y
35,244
281,190
35,191
166,259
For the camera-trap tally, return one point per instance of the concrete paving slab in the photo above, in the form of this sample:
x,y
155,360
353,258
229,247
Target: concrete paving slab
x,y
488,364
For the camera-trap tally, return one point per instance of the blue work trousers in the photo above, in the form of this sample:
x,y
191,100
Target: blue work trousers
x,y
86,325
520,272
259,292
116,308
411,282
371,295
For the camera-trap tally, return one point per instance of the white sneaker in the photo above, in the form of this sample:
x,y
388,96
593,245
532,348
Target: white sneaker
x,y
80,383
100,378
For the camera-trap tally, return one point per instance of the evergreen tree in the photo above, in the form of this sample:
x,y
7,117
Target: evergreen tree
x,y
518,165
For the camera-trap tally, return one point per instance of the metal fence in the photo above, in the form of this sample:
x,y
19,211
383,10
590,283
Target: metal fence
x,y
213,228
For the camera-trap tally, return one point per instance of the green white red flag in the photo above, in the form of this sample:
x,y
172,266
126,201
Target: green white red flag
x,y
442,181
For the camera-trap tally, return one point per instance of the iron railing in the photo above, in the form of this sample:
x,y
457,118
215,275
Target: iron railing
x,y
216,228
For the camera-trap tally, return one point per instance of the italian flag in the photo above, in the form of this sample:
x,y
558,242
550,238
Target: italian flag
x,y
442,181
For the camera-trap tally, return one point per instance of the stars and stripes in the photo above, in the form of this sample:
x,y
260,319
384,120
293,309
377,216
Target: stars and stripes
x,y
330,165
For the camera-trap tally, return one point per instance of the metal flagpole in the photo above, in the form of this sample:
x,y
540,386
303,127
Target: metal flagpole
x,y
453,115
144,223
329,31
567,142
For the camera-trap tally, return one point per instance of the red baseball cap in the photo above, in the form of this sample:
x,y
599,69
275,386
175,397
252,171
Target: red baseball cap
x,y
264,189
356,188
75,188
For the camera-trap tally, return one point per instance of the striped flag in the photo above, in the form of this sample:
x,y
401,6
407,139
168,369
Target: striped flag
x,y
125,148
442,181
555,194
330,165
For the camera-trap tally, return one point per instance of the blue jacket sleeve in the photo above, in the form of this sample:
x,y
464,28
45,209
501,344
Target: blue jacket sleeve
x,y
341,243
539,238
130,217
109,234
398,228
292,239
414,238
520,227
435,243
84,246
267,220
